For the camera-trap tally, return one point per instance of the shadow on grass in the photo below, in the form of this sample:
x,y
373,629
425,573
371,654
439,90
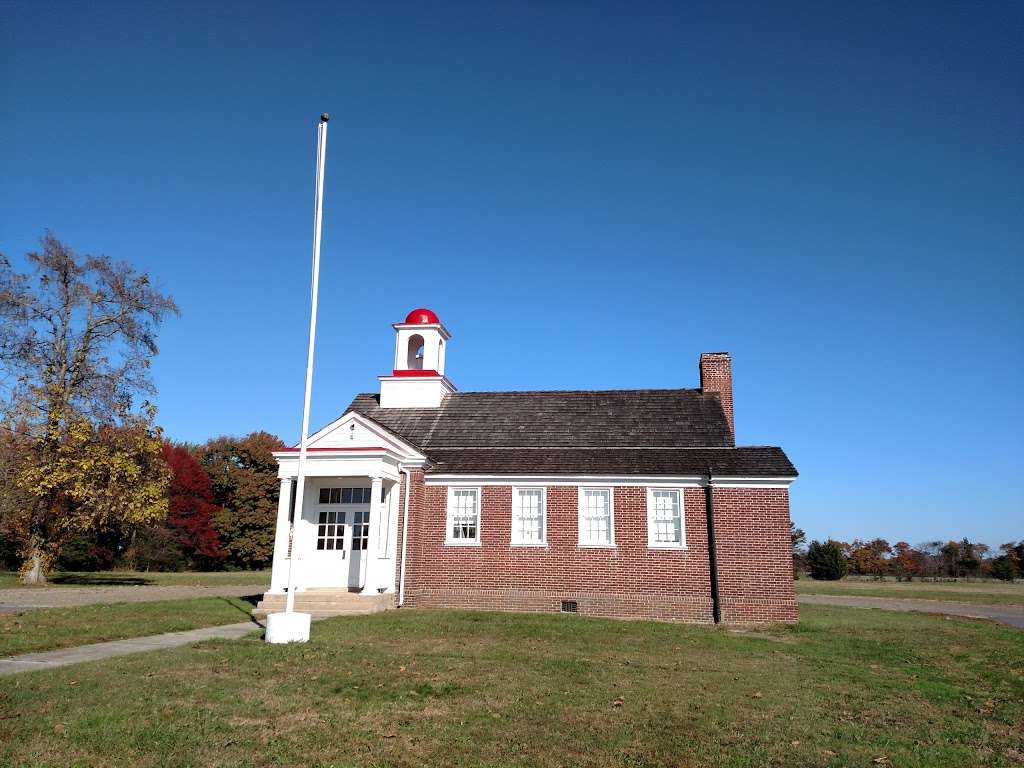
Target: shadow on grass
x,y
252,600
101,579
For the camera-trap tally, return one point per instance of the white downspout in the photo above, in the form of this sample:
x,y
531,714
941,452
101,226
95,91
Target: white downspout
x,y
405,536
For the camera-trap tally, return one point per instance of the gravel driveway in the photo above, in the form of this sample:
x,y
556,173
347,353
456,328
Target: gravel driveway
x,y
24,598
1013,615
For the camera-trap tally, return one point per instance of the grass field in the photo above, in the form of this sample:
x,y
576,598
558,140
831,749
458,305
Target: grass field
x,y
48,628
403,688
981,592
131,578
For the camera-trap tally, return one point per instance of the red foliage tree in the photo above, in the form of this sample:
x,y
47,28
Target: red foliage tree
x,y
191,506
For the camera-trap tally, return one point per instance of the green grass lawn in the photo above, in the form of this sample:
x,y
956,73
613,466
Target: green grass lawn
x,y
47,628
134,578
845,687
981,592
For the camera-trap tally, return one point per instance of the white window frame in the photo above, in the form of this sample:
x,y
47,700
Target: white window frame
x,y
516,509
449,520
651,543
611,517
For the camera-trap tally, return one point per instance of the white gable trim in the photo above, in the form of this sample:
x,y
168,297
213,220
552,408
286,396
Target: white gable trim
x,y
645,481
386,439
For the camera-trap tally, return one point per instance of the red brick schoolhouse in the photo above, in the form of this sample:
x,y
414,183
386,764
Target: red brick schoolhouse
x,y
623,503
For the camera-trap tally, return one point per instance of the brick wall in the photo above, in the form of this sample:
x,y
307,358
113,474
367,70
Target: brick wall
x,y
629,580
755,561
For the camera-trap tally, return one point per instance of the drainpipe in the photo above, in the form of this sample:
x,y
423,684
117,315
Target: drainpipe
x,y
709,507
405,535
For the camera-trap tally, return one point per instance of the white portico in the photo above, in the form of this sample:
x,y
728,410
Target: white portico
x,y
346,537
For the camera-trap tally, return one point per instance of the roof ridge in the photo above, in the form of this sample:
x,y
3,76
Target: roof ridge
x,y
373,395
571,391
598,447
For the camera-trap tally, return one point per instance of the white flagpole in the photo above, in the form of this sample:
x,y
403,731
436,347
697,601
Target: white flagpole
x,y
318,211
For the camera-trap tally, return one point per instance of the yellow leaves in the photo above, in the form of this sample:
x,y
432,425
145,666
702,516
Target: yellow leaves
x,y
93,477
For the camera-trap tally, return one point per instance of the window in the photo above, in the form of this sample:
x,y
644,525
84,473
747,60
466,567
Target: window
x,y
330,532
360,530
665,518
528,516
596,519
344,495
463,516
330,495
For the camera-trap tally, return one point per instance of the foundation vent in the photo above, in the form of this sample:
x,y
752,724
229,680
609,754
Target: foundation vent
x,y
570,606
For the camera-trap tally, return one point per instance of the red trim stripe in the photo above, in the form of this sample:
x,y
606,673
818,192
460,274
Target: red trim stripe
x,y
397,372
311,450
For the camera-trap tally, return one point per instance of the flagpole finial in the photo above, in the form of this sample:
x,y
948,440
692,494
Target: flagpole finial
x,y
324,117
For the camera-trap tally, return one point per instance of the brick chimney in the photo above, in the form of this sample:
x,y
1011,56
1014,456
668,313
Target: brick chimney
x,y
716,376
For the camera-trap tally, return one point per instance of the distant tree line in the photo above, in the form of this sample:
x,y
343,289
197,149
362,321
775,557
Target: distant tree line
x,y
831,559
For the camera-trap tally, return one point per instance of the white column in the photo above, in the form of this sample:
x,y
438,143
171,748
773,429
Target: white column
x,y
282,535
371,557
389,547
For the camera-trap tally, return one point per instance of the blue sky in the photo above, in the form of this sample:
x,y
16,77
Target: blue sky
x,y
588,194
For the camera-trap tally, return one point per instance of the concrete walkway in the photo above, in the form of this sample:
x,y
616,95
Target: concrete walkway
x,y
27,598
64,656
1012,615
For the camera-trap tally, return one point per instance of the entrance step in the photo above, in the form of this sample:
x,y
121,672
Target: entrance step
x,y
327,602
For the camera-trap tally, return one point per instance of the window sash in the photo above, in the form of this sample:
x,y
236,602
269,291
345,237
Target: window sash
x,y
529,512
330,531
596,517
463,516
665,518
346,495
360,530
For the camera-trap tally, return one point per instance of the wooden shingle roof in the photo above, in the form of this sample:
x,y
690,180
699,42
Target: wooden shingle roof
x,y
631,431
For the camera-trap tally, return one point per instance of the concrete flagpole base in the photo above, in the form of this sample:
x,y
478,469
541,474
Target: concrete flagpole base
x,y
288,627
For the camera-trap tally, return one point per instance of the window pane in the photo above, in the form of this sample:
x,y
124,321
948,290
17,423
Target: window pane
x,y
346,495
463,514
528,523
325,495
666,517
596,522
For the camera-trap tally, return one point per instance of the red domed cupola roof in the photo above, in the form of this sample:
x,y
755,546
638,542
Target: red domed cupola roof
x,y
422,316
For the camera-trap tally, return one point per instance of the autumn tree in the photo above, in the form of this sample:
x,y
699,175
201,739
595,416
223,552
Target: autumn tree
x,y
869,558
907,562
1015,552
1010,564
77,334
243,472
12,499
191,508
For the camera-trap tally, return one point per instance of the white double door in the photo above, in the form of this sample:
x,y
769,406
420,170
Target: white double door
x,y
339,557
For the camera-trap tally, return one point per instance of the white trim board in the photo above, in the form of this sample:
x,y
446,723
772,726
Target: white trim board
x,y
629,481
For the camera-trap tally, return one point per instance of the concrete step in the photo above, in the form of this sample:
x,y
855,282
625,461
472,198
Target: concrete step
x,y
327,602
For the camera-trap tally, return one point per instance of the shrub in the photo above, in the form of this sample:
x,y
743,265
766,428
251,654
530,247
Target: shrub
x,y
155,548
84,553
826,561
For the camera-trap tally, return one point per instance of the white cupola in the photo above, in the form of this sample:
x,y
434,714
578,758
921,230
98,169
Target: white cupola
x,y
417,379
